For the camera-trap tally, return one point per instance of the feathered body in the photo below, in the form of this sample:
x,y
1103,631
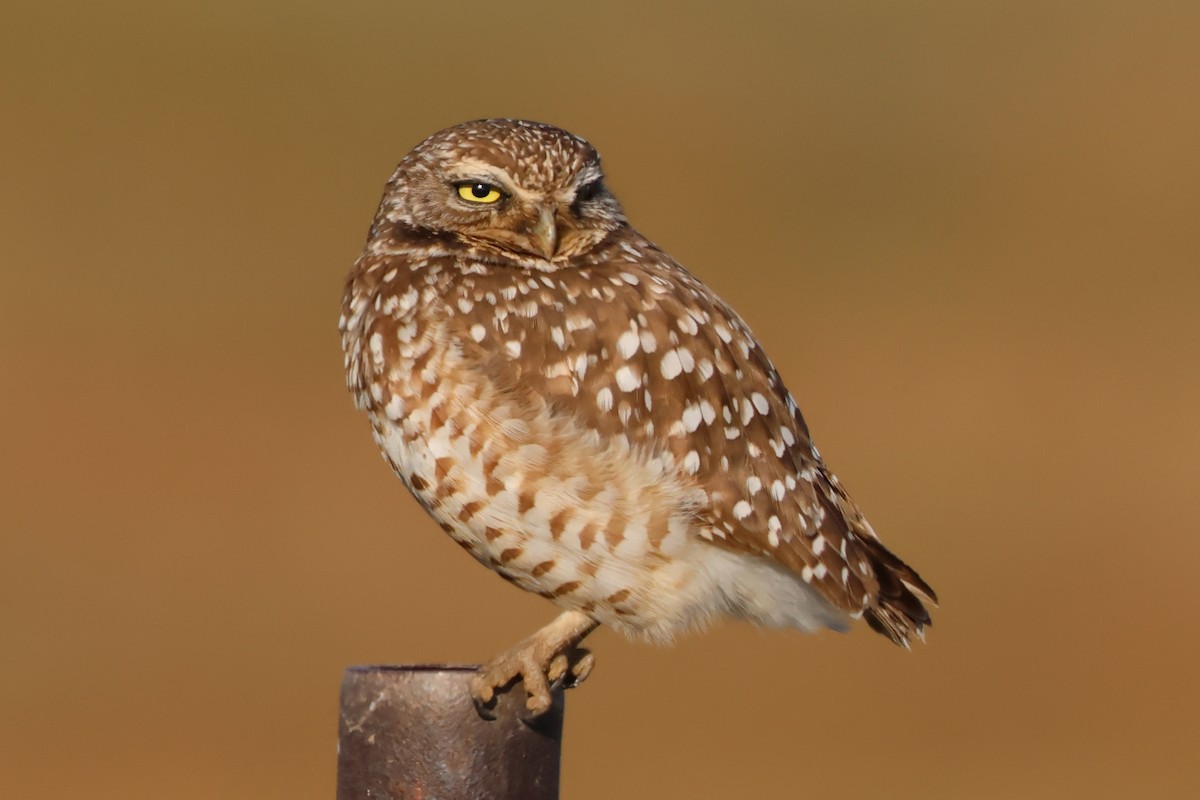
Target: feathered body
x,y
587,418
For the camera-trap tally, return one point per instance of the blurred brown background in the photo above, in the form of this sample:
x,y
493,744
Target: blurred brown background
x,y
967,232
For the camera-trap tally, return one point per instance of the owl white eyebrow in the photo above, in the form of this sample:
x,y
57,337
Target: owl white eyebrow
x,y
494,180
590,175
476,170
491,181
498,179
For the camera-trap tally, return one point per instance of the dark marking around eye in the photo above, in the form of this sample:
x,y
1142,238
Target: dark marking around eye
x,y
587,193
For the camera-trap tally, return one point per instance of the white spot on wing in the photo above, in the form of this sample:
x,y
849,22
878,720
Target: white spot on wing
x,y
627,379
747,412
774,526
670,365
627,344
686,360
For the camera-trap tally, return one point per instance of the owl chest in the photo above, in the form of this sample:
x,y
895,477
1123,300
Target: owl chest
x,y
426,427
550,506
577,538
435,423
486,510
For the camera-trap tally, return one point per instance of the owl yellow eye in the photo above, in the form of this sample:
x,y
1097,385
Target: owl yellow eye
x,y
478,192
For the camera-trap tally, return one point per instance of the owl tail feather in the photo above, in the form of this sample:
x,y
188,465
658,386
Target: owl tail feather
x,y
899,613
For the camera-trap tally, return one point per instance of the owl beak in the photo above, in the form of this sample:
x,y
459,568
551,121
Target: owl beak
x,y
545,232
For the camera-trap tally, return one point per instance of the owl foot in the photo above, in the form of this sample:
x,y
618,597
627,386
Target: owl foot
x,y
543,660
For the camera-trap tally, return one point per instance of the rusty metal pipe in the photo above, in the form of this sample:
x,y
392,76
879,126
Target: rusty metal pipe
x,y
413,733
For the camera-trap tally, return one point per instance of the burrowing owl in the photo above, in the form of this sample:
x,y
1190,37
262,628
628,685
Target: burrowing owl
x,y
587,418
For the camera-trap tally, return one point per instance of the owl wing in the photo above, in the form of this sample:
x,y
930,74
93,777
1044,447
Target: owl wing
x,y
633,345
771,493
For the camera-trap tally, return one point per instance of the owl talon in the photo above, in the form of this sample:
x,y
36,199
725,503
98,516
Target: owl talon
x,y
581,667
521,663
543,662
557,668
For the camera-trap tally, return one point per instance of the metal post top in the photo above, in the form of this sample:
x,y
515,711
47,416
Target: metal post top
x,y
365,668
412,730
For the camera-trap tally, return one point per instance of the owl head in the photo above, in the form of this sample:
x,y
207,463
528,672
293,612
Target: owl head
x,y
517,189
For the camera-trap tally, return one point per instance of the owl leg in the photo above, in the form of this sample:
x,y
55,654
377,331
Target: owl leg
x,y
549,655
